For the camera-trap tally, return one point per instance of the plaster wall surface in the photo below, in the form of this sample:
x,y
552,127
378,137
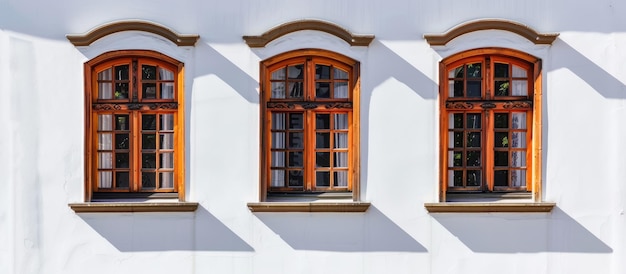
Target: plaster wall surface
x,y
42,142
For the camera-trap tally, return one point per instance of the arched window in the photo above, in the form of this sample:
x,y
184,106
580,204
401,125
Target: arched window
x,y
490,123
134,125
309,123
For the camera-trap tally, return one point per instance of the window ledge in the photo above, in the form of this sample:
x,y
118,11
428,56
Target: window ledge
x,y
133,207
477,207
309,206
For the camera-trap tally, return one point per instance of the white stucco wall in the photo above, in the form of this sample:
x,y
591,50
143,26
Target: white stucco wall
x,y
42,142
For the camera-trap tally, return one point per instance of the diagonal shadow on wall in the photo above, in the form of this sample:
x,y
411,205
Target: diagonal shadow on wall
x,y
133,232
342,232
522,233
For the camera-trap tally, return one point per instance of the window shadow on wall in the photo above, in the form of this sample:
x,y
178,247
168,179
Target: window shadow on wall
x,y
140,232
522,233
342,232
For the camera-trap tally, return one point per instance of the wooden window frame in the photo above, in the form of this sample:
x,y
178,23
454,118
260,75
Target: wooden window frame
x,y
135,106
532,103
311,105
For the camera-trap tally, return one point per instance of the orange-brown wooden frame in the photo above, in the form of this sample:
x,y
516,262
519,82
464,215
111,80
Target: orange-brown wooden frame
x,y
354,129
91,119
535,151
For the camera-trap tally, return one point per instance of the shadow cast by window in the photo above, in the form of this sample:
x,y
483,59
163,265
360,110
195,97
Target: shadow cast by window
x,y
525,233
198,231
343,232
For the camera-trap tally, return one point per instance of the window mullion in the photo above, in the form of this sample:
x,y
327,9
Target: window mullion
x,y
488,150
309,150
135,151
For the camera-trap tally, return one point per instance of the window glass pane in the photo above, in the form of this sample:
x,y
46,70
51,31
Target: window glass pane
x,y
473,178
148,141
148,160
519,72
322,159
322,72
296,121
322,90
322,140
473,158
455,139
167,122
340,159
121,90
501,158
455,178
456,88
167,90
295,90
473,120
148,122
278,159
455,120
340,179
278,120
520,88
105,91
456,73
322,178
104,141
501,120
295,159
502,88
148,180
519,120
148,72
166,141
295,72
166,160
341,121
278,140
105,179
474,70
474,88
295,178
105,75
277,178
121,122
473,139
341,90
121,72
104,122
322,121
122,141
149,91
121,160
455,158
501,178
341,140
296,140
501,70
279,74
165,74
518,159
501,139
166,180
278,90
340,74
105,160
121,179
518,139
518,178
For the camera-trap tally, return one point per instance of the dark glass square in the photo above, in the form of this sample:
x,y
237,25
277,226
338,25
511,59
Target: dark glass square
x,y
473,178
148,180
473,120
501,70
458,178
121,160
148,72
501,120
122,141
121,122
121,91
121,179
322,178
502,88
501,139
474,89
501,178
149,91
295,159
295,121
458,120
296,140
474,70
322,159
473,139
148,141
148,160
322,140
295,178
322,90
458,159
501,158
295,72
148,122
473,158
121,72
458,88
458,139
322,72
322,121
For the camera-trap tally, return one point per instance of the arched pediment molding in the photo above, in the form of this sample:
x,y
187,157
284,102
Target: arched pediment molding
x,y
270,35
491,24
132,25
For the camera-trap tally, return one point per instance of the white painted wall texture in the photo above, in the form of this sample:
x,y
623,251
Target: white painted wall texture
x,y
42,151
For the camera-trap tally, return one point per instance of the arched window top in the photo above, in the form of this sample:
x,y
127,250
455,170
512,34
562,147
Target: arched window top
x,y
132,25
274,33
491,24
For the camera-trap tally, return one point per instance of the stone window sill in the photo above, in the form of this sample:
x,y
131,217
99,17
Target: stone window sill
x,y
309,206
98,207
478,207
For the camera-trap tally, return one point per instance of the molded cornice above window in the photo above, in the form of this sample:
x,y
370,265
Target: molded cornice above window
x,y
491,24
132,25
270,35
